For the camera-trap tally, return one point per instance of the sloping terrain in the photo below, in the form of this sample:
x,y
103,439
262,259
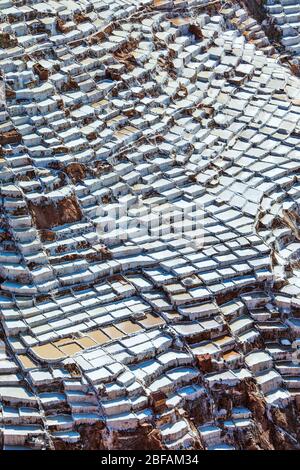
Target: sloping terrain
x,y
149,240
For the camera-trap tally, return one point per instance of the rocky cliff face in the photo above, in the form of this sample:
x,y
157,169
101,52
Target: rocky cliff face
x,y
149,226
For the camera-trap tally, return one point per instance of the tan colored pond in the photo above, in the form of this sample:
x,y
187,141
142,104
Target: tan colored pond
x,y
98,336
151,320
113,332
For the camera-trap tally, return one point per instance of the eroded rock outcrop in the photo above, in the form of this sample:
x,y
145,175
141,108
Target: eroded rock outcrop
x,y
149,227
